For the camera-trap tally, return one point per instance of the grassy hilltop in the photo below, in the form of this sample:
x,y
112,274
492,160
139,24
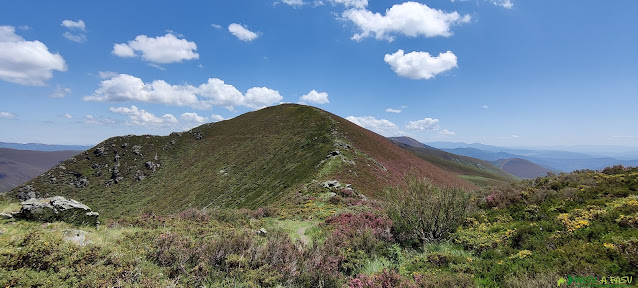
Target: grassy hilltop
x,y
256,159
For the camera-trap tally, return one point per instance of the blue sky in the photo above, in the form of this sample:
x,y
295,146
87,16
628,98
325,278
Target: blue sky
x,y
500,72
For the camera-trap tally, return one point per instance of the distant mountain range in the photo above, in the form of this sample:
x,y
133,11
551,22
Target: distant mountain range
x,y
475,170
555,160
43,147
19,166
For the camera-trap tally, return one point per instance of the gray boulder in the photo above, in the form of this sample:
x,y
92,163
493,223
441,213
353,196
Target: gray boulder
x,y
331,184
27,192
58,208
137,150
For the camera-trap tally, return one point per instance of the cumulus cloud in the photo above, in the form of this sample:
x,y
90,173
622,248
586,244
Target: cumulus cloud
x,y
293,3
410,19
78,27
60,92
216,26
315,97
107,74
26,62
161,49
424,124
193,117
380,126
7,115
75,37
142,118
446,132
214,92
125,87
68,116
216,117
420,65
351,3
123,51
259,97
70,24
391,110
242,33
503,3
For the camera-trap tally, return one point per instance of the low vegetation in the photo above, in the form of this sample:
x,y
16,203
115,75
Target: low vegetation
x,y
527,234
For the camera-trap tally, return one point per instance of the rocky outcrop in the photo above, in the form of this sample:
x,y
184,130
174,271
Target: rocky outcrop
x,y
27,192
57,208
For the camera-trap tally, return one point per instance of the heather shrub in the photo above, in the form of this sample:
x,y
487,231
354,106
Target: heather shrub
x,y
422,212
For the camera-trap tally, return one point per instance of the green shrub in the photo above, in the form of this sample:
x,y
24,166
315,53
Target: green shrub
x,y
422,212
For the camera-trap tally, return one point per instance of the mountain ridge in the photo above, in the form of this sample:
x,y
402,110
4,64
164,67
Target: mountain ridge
x,y
256,159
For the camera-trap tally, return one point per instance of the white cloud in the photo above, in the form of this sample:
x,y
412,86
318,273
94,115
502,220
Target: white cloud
x,y
70,24
293,3
424,124
125,87
68,116
60,92
157,66
160,49
503,3
214,92
410,19
193,117
219,93
242,33
107,74
143,118
216,26
7,115
26,62
391,110
89,119
351,3
446,132
259,97
216,117
485,106
75,37
74,25
380,126
420,65
315,97
123,50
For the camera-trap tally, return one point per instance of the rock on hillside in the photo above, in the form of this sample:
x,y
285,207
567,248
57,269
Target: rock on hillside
x,y
56,209
256,159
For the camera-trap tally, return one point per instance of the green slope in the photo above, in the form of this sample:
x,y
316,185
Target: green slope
x,y
257,159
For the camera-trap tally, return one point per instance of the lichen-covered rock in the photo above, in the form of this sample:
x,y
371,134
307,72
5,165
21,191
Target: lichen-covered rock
x,y
331,184
27,192
58,208
151,165
38,209
137,150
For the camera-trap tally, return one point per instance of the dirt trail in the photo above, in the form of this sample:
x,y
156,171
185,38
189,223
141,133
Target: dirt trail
x,y
302,236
